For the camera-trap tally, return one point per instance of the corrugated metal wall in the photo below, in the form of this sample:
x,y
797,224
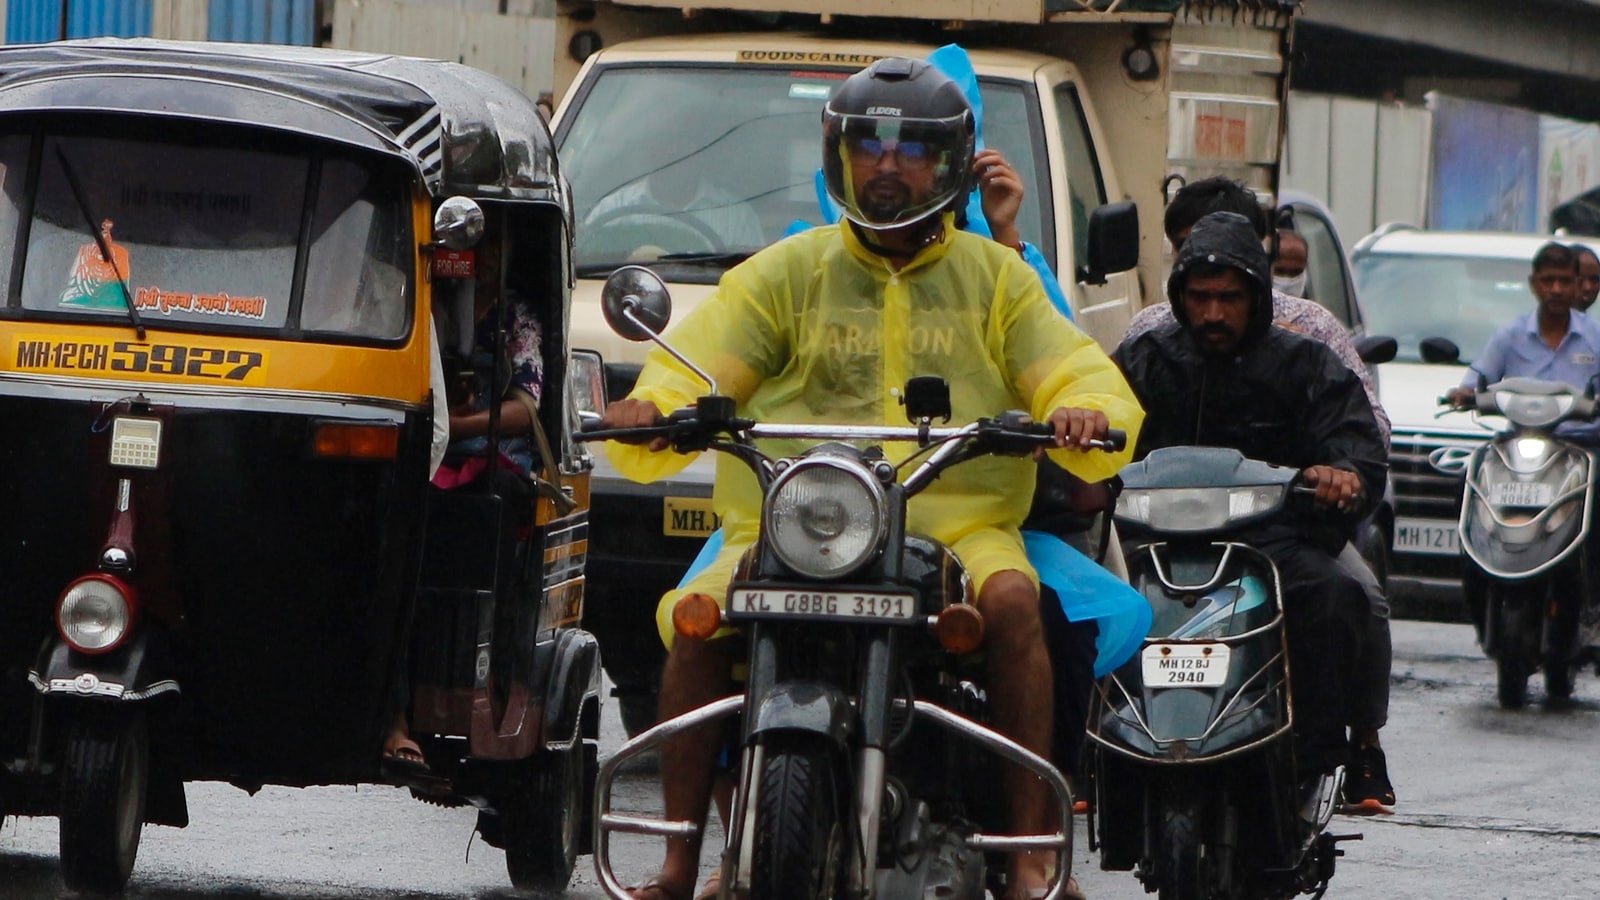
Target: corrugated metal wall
x,y
518,48
28,21
263,21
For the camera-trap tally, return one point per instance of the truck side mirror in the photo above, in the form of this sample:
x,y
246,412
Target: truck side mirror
x,y
1113,242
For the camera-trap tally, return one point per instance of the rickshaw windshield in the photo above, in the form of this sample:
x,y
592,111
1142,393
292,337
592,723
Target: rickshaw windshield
x,y
208,234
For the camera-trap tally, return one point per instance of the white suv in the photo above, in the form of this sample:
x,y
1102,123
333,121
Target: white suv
x,y
1458,285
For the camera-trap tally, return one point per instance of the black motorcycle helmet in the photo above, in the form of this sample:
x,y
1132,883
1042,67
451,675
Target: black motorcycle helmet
x,y
910,108
1225,240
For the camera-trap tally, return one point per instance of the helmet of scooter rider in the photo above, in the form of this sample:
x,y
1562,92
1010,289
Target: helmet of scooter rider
x,y
1225,240
907,109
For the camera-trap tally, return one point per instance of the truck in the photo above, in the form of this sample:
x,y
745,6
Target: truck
x,y
691,135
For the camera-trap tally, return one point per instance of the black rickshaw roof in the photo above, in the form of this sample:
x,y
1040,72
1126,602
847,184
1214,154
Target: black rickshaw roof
x,y
464,130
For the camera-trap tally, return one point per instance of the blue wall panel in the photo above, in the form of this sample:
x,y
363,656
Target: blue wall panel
x,y
30,21
263,21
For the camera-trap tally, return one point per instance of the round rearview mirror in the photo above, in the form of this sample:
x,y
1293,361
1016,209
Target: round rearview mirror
x,y
459,223
636,303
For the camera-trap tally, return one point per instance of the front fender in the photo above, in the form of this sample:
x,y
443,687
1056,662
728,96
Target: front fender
x,y
574,679
811,706
137,670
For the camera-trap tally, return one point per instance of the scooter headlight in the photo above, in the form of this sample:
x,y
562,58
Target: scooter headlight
x,y
1197,509
824,518
95,613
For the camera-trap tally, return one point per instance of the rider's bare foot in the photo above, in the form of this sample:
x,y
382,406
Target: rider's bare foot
x,y
1029,877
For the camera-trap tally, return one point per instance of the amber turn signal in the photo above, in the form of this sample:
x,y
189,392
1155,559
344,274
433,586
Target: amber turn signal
x,y
696,617
959,628
352,441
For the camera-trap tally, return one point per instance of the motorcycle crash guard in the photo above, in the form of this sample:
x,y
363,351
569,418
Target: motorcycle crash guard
x,y
139,669
805,706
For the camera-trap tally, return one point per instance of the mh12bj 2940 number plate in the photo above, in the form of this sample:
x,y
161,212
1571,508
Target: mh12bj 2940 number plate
x,y
786,603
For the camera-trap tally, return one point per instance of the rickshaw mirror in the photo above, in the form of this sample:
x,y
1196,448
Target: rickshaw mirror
x,y
636,303
458,223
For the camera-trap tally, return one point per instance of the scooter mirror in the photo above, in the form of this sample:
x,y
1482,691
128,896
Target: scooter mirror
x,y
1376,350
1439,350
458,223
636,303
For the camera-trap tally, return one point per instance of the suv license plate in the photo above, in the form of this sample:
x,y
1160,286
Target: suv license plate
x,y
1434,537
1185,665
761,603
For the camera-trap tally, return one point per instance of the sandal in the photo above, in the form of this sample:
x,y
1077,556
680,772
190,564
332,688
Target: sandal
x,y
713,888
402,758
655,888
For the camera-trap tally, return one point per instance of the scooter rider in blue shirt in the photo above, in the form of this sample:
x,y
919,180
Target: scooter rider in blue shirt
x,y
1553,342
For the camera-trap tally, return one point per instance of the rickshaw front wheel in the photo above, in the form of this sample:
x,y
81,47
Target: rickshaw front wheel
x,y
541,819
105,773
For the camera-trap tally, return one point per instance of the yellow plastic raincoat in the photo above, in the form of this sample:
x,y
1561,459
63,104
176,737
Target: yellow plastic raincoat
x,y
818,329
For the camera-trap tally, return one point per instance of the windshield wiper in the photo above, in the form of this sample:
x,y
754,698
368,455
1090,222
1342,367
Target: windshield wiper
x,y
723,258
100,239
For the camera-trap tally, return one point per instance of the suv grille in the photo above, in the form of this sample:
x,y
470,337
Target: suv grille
x,y
1420,491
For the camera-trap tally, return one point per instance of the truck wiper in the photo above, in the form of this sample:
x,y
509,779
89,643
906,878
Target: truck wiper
x,y
100,239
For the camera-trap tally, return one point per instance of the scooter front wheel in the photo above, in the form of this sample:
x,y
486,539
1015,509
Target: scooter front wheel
x,y
105,771
1511,685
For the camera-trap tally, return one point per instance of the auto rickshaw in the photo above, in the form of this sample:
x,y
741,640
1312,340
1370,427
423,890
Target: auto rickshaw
x,y
221,556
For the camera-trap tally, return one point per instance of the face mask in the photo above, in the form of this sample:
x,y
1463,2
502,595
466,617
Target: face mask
x,y
1294,287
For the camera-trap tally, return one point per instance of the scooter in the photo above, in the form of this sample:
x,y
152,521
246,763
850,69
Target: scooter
x,y
867,766
1190,753
1525,521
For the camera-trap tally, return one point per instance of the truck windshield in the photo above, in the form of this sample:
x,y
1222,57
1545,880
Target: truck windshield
x,y
692,168
206,236
1464,299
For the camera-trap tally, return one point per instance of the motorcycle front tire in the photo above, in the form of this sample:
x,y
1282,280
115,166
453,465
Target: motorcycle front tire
x,y
799,829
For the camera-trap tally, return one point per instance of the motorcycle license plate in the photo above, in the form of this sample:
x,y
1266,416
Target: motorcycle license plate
x,y
781,603
1521,493
1185,665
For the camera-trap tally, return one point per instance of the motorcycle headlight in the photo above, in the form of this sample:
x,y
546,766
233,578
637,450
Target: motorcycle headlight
x,y
824,518
95,613
1197,509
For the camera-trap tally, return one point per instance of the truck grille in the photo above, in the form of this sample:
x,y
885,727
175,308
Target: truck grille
x,y
1420,491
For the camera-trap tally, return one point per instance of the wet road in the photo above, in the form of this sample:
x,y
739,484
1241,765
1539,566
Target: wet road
x,y
1493,804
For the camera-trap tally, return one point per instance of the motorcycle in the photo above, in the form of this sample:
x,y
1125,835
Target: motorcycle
x,y
1189,754
1524,526
865,757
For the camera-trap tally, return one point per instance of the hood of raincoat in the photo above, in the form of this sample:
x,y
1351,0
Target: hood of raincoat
x,y
1226,239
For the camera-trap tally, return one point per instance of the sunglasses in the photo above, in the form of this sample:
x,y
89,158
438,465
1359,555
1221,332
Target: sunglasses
x,y
910,154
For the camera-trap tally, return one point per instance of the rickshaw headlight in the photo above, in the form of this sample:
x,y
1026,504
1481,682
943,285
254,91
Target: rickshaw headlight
x,y
825,517
95,613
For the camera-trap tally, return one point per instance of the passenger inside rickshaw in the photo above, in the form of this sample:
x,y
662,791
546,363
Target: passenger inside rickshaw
x,y
465,347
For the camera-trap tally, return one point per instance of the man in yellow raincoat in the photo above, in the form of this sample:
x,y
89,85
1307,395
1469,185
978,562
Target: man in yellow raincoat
x,y
826,327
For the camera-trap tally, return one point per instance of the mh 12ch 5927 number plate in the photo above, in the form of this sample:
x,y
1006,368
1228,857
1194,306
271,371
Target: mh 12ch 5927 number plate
x,y
785,603
1185,665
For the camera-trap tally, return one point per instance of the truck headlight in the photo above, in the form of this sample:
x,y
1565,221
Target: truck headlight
x,y
824,517
95,613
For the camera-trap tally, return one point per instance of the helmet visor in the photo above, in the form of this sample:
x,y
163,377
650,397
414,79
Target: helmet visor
x,y
889,172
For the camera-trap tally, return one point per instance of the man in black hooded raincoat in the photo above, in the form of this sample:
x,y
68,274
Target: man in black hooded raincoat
x,y
1222,376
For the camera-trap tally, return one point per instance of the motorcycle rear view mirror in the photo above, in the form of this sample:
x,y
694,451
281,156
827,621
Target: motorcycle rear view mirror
x,y
458,223
926,397
636,303
1439,350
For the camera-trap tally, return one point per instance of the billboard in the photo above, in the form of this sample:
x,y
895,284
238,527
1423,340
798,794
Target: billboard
x,y
1485,167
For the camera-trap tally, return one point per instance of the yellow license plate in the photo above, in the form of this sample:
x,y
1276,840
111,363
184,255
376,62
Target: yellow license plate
x,y
57,355
688,517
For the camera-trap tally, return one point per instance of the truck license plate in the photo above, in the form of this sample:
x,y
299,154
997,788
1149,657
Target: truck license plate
x,y
688,517
1434,537
782,603
1185,665
1521,493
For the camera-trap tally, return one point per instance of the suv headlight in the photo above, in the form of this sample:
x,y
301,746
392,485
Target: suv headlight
x,y
824,517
